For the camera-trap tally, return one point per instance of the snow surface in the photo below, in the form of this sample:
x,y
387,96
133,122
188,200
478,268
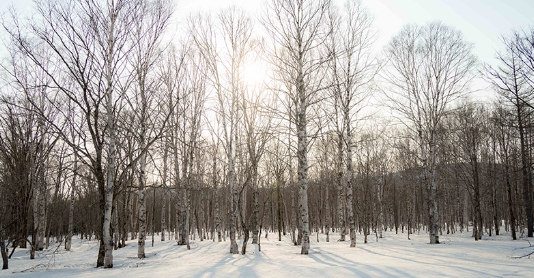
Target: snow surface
x,y
392,256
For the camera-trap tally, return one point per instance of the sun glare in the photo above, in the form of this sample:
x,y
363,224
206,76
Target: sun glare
x,y
254,73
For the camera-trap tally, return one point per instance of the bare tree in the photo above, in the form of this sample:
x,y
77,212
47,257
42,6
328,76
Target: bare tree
x,y
299,32
470,130
353,69
512,80
68,240
503,129
430,66
257,124
32,104
88,45
151,21
225,66
172,76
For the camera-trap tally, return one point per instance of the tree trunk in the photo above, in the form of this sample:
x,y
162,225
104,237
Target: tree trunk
x,y
525,170
68,240
279,209
3,250
256,216
233,219
217,216
107,239
496,220
234,211
302,170
430,180
142,219
164,193
199,215
153,216
106,225
509,195
184,217
340,193
478,225
41,222
327,213
245,240
163,214
352,224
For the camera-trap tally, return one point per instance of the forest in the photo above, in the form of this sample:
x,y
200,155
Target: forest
x,y
116,125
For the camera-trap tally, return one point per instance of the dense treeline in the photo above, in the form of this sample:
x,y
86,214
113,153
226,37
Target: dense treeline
x,y
111,132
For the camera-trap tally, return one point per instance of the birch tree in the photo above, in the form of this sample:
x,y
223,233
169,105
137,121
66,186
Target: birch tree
x,y
256,126
429,67
151,20
225,66
188,127
171,74
352,70
88,45
298,30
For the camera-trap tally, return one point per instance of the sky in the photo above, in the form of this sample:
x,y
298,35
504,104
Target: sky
x,y
482,22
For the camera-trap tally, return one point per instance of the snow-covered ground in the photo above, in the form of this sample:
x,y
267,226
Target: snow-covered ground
x,y
392,256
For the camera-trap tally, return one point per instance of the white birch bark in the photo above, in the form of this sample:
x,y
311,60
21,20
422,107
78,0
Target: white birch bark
x,y
381,221
233,199
350,175
142,202
225,67
187,218
340,189
216,197
108,240
302,172
106,225
353,69
297,27
149,24
115,224
217,216
163,215
109,46
256,216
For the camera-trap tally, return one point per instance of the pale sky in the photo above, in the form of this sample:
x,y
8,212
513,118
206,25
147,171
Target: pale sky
x,y
481,21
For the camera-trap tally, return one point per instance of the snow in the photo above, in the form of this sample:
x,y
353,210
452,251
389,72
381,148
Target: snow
x,y
458,255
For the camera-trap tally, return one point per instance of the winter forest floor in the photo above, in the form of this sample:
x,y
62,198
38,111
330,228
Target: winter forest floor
x,y
458,255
